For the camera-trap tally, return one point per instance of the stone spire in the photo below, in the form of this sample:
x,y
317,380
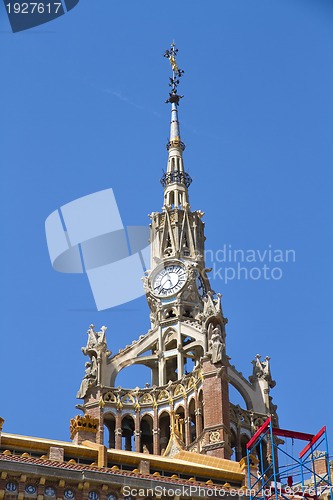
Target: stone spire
x,y
175,180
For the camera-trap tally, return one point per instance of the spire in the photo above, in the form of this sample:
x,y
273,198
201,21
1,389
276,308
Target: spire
x,y
175,180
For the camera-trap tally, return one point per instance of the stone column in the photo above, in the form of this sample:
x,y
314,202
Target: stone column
x,y
187,423
156,433
161,359
180,359
198,422
137,432
118,431
161,369
100,431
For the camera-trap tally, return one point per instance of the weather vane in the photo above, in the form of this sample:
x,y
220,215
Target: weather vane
x,y
176,74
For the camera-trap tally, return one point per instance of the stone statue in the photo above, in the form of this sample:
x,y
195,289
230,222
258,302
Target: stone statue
x,y
216,344
209,305
101,340
89,378
96,340
261,371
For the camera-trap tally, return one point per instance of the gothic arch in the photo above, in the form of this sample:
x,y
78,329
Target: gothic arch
x,y
169,332
192,398
146,429
179,405
148,414
233,443
109,421
164,426
180,414
110,411
179,409
127,431
129,415
192,407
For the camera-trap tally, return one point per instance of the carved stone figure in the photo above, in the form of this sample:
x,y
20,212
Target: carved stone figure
x,y
261,371
101,340
209,305
96,340
216,344
89,378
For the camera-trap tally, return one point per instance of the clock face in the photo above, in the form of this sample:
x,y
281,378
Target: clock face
x,y
200,285
169,280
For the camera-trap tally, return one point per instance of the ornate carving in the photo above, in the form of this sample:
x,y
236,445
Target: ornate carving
x,y
96,341
96,349
163,395
216,344
128,399
83,423
146,286
209,306
180,389
119,405
89,379
146,399
262,371
214,437
176,176
110,397
192,383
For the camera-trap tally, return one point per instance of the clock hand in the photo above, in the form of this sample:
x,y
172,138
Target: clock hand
x,y
166,281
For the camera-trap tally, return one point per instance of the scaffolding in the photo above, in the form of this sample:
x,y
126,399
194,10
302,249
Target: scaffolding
x,y
267,480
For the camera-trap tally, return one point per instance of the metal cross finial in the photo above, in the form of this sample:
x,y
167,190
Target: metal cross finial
x,y
177,73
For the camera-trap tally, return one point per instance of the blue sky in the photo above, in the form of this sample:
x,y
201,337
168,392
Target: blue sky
x,y
83,110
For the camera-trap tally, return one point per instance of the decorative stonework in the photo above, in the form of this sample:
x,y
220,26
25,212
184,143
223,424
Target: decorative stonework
x,y
214,437
83,423
262,371
110,397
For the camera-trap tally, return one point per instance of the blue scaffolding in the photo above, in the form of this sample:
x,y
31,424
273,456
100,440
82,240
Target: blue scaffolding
x,y
268,480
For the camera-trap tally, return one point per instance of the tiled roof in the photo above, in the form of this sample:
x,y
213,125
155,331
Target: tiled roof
x,y
82,467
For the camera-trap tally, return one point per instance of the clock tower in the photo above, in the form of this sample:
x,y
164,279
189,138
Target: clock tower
x,y
177,286
186,407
